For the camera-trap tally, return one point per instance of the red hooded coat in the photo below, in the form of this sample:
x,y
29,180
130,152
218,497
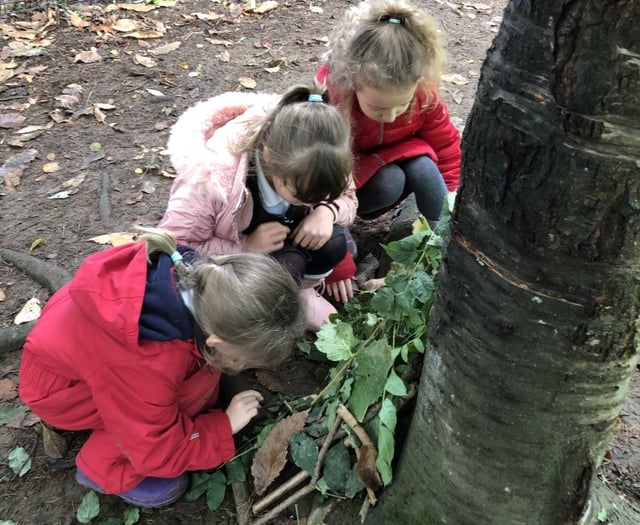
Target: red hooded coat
x,y
425,129
148,401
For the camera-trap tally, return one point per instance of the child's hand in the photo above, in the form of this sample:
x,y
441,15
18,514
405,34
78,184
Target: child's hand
x,y
315,229
243,408
341,291
269,237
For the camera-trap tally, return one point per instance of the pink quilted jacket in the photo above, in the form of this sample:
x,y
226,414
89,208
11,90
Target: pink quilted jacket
x,y
209,205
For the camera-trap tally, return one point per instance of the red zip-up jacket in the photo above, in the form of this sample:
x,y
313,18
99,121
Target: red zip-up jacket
x,y
425,129
149,401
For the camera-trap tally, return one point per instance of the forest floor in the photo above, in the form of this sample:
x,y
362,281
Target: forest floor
x,y
87,98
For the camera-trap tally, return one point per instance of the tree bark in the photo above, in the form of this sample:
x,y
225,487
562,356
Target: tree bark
x,y
534,331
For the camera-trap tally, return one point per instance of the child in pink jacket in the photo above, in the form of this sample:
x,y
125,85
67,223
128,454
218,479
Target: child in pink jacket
x,y
269,174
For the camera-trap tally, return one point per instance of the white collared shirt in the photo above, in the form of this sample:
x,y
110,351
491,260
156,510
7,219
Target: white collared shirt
x,y
271,201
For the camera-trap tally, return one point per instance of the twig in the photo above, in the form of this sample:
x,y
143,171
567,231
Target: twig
x,y
241,500
282,489
311,486
364,509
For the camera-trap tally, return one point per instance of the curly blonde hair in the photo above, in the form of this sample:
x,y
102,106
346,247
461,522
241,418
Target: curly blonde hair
x,y
384,44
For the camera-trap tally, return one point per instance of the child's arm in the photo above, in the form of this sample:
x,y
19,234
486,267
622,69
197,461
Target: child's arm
x,y
444,137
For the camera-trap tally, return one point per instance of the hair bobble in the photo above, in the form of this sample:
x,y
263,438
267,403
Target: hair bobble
x,y
176,257
314,97
392,19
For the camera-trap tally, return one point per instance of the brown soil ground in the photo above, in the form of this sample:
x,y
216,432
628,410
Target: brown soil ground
x,y
111,164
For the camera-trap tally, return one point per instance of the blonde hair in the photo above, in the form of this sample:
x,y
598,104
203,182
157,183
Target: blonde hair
x,y
308,143
246,299
384,44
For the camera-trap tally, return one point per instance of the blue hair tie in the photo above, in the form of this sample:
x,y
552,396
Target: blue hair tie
x,y
394,20
176,257
314,97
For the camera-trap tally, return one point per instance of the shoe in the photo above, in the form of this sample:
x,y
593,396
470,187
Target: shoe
x,y
150,493
317,309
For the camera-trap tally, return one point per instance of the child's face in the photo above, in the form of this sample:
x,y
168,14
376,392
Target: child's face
x,y
384,105
286,193
224,356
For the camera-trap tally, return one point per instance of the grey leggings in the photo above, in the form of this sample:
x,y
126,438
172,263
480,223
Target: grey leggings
x,y
418,175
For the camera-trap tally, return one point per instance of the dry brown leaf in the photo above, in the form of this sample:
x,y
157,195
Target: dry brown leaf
x,y
98,114
32,129
23,420
76,20
224,56
271,457
218,42
51,167
247,82
142,35
114,239
207,16
11,120
270,381
55,446
126,25
264,7
166,48
74,182
144,61
366,468
88,57
8,390
139,8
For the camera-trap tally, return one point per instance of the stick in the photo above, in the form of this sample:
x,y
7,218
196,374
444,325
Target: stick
x,y
311,486
241,499
282,489
348,418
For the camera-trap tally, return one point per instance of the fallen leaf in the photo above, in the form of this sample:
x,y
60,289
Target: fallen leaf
x,y
144,61
148,187
218,42
98,114
27,419
30,311
247,82
456,79
31,129
74,182
224,56
114,239
51,167
316,9
366,467
125,25
270,381
166,48
264,7
88,57
76,20
8,390
11,120
271,457
63,194
55,446
272,69
142,35
155,92
36,243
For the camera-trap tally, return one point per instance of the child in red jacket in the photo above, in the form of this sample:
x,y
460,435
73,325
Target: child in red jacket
x,y
382,68
133,348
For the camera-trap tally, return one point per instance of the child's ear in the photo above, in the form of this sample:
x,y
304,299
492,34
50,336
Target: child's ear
x,y
213,340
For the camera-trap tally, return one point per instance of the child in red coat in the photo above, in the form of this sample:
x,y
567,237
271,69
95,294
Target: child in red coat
x,y
133,348
382,68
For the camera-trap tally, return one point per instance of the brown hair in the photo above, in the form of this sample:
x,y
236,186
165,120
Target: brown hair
x,y
384,44
308,144
247,299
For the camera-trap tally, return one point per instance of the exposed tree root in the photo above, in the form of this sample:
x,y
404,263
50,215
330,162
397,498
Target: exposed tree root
x,y
49,275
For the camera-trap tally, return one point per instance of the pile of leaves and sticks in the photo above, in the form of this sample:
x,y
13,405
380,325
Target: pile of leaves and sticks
x,y
339,443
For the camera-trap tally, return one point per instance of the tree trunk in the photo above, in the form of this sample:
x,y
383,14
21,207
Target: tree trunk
x,y
534,332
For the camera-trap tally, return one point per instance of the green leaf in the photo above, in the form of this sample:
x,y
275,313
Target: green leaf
x,y
304,451
370,376
89,507
353,484
322,486
19,461
197,485
602,515
337,467
336,341
385,454
235,471
388,415
131,515
9,410
7,522
216,489
395,386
